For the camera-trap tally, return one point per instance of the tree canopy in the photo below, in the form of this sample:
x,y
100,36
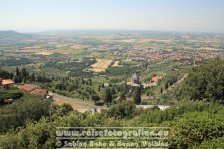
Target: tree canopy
x,y
206,82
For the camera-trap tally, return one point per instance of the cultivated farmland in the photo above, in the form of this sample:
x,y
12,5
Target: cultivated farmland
x,y
101,65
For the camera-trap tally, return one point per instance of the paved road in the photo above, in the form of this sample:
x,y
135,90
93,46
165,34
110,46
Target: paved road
x,y
74,101
93,107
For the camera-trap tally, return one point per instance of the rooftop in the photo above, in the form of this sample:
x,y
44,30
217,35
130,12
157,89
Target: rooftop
x,y
156,78
7,82
29,87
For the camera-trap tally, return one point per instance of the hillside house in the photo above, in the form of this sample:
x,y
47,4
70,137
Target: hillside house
x,y
156,79
34,89
6,83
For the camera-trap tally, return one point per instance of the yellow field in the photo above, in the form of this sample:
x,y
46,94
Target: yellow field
x,y
78,46
74,105
116,64
101,65
44,53
36,66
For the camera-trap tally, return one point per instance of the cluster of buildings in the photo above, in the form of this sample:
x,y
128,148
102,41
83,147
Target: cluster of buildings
x,y
34,89
7,84
185,56
136,82
106,47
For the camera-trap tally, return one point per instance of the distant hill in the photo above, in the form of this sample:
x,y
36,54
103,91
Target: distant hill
x,y
13,34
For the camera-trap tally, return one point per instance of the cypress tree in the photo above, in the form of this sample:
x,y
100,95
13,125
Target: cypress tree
x,y
137,96
107,97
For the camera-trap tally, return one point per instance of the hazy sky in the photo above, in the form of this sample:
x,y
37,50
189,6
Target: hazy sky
x,y
172,15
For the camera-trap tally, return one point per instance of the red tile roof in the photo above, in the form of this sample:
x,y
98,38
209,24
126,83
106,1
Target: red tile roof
x,y
156,78
29,87
7,82
34,89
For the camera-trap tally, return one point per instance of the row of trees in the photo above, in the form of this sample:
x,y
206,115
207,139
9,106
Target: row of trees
x,y
172,80
22,76
75,67
107,97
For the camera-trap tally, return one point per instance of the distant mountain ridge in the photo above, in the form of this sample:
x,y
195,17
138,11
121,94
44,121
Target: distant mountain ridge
x,y
13,34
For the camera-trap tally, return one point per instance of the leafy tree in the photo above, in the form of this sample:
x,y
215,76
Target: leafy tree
x,y
122,96
61,110
113,91
124,109
4,74
16,94
11,94
71,87
17,72
95,98
125,87
39,79
60,86
24,73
